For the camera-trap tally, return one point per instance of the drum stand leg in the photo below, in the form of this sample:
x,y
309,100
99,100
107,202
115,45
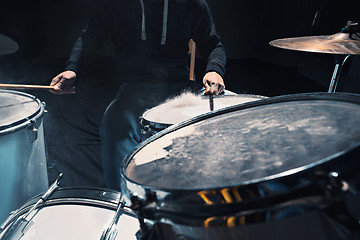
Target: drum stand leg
x,y
337,71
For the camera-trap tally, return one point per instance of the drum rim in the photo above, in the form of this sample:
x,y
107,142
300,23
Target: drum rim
x,y
110,204
26,121
143,190
108,195
158,126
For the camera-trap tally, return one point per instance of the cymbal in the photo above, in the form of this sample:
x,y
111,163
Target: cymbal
x,y
7,45
339,43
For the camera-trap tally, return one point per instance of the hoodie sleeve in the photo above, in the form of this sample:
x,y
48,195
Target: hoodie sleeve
x,y
90,40
206,38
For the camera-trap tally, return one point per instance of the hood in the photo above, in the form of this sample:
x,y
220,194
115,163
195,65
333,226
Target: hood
x,y
164,23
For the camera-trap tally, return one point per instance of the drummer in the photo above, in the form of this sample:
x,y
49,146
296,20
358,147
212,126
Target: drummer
x,y
150,39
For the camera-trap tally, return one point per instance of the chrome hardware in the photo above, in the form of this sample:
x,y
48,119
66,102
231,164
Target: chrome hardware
x,y
33,131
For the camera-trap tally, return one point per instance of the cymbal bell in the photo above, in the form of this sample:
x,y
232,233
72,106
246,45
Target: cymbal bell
x,y
7,45
339,43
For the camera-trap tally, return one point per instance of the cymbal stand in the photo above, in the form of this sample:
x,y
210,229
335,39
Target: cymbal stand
x,y
352,28
340,61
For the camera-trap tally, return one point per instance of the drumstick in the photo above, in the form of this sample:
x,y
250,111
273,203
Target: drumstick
x,y
24,86
211,97
211,102
192,59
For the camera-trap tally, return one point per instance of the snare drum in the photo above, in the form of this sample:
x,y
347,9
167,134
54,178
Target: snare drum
x,y
75,214
249,164
23,172
187,106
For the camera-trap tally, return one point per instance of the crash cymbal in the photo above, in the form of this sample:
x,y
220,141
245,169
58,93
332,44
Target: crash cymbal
x,y
347,42
7,45
340,43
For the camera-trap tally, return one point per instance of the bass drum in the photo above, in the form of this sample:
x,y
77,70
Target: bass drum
x,y
252,170
23,171
187,106
75,214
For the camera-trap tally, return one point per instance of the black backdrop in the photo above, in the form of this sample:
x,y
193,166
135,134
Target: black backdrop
x,y
46,31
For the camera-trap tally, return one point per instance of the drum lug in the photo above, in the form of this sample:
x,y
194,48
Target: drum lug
x,y
33,131
146,129
44,104
145,132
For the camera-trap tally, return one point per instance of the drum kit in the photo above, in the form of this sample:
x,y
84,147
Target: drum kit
x,y
254,167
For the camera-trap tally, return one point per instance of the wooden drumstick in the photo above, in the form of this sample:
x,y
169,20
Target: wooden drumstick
x,y
24,86
192,46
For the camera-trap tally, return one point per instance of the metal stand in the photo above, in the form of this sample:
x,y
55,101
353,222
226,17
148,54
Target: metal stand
x,y
340,61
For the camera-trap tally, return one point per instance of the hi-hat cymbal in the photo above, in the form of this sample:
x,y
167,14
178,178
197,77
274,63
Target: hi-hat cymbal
x,y
7,45
340,43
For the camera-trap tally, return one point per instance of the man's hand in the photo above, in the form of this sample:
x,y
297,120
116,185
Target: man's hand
x,y
214,83
64,83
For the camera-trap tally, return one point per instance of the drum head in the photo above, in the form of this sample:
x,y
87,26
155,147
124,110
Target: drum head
x,y
250,143
75,213
16,108
188,105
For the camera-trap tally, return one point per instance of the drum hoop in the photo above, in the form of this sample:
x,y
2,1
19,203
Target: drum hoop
x,y
59,200
23,123
142,190
158,126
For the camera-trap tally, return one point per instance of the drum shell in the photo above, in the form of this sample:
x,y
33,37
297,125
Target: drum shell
x,y
310,186
308,225
23,169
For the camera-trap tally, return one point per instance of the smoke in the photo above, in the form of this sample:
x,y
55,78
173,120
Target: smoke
x,y
185,99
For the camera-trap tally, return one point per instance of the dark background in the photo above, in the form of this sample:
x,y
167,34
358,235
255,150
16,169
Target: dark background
x,y
46,31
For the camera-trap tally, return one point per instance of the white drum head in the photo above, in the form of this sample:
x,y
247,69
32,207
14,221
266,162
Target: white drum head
x,y
16,107
72,214
73,221
189,105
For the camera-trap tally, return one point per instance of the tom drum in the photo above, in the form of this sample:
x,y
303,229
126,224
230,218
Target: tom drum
x,y
262,163
23,171
187,106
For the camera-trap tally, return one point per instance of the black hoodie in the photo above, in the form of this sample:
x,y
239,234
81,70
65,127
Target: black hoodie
x,y
150,34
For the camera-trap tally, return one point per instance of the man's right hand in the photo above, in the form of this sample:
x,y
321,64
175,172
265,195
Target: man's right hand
x,y
64,83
